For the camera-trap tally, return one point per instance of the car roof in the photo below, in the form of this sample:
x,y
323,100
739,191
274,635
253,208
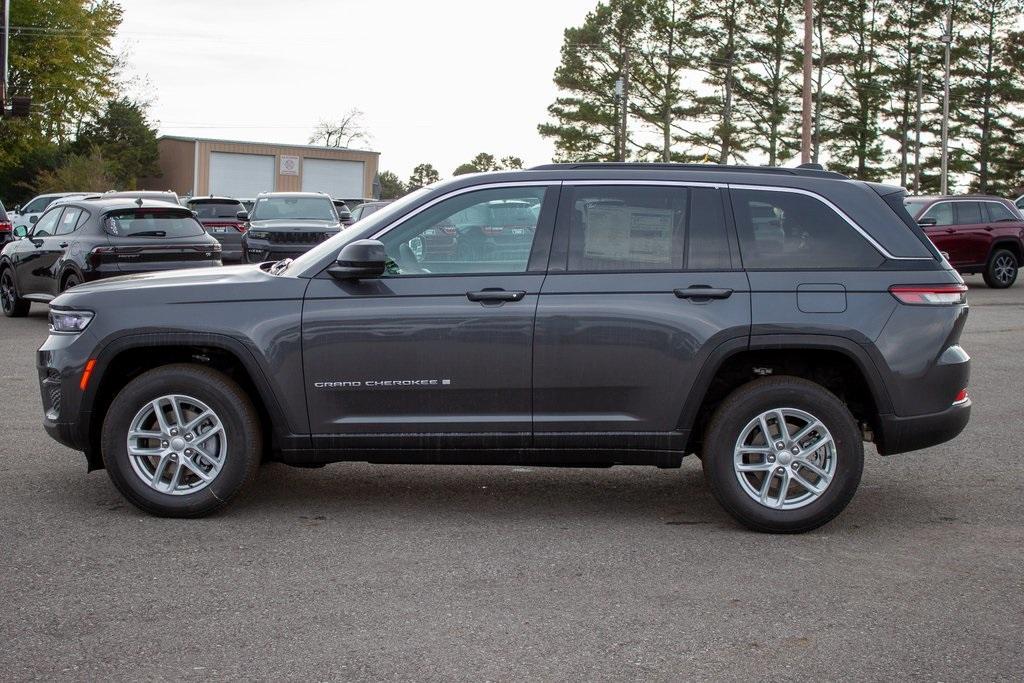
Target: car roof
x,y
213,198
294,194
115,203
955,198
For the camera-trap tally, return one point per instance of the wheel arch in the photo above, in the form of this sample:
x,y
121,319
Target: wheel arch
x,y
1009,243
68,268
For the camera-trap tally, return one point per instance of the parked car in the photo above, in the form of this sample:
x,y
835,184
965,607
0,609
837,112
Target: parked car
x,y
366,208
636,332
287,224
6,226
344,215
85,240
29,214
1020,202
219,215
247,203
977,233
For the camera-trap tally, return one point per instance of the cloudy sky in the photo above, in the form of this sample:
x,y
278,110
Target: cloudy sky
x,y
438,81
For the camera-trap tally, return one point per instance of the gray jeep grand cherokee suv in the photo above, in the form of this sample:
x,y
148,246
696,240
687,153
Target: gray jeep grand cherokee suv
x,y
768,320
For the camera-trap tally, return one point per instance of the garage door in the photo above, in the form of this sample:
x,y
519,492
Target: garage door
x,y
340,179
241,175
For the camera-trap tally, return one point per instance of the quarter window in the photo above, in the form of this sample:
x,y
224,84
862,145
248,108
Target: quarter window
x,y
792,231
487,231
646,228
69,221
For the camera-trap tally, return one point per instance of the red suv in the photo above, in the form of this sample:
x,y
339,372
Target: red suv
x,y
977,234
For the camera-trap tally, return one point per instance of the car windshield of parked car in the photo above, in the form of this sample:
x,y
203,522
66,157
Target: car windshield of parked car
x,y
216,209
152,223
367,227
294,208
914,206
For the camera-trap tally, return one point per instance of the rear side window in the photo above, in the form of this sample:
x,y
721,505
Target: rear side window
x,y
206,209
968,213
999,212
791,231
69,221
152,223
647,228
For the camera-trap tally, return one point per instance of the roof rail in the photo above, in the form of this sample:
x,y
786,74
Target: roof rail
x,y
802,170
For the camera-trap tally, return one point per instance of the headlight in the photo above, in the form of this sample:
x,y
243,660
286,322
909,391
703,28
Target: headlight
x,y
69,321
258,235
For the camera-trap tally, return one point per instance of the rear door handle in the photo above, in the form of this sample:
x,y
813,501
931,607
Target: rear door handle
x,y
495,296
703,292
63,245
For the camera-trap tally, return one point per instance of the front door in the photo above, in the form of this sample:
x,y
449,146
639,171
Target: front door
x,y
649,285
38,255
441,345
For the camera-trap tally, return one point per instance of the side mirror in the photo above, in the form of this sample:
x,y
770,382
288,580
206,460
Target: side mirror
x,y
20,232
242,216
33,219
16,209
926,222
359,259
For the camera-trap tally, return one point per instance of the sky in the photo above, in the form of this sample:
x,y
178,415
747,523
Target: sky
x,y
437,81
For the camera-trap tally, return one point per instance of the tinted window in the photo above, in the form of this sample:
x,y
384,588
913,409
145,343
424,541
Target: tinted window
x,y
208,209
968,213
69,221
999,212
655,228
37,205
792,231
301,208
489,231
47,223
152,223
942,213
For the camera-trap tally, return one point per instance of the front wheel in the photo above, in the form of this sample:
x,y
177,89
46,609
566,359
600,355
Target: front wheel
x,y
13,305
181,440
783,455
1001,271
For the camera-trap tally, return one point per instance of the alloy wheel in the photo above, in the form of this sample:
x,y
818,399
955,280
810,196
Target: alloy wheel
x,y
1004,269
177,444
785,458
7,293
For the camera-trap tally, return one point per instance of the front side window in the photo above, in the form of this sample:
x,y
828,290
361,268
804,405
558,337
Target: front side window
x,y
792,231
999,212
294,208
47,223
646,228
69,221
942,213
487,231
968,213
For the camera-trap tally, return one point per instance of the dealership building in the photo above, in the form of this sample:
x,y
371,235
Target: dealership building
x,y
203,166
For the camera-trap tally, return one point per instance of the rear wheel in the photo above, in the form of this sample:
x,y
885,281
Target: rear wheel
x,y
12,305
783,455
181,440
1001,271
71,280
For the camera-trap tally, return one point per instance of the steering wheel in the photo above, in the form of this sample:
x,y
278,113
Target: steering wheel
x,y
407,261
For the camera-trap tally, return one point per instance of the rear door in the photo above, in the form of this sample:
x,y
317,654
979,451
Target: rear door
x,y
644,284
972,231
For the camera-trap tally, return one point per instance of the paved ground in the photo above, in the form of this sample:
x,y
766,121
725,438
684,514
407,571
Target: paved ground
x,y
396,572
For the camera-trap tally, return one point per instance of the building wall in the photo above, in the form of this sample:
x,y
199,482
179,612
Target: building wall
x,y
177,165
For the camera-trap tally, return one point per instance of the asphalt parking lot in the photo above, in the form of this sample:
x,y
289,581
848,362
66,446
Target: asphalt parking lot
x,y
399,572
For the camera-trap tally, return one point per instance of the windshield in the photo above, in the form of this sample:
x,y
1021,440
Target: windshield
x,y
294,208
914,206
152,223
216,209
367,225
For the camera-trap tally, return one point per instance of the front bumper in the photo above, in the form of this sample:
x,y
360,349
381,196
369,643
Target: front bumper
x,y
902,434
259,251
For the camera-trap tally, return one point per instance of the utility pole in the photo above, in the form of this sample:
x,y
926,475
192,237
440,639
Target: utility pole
x,y
947,39
5,22
917,136
805,146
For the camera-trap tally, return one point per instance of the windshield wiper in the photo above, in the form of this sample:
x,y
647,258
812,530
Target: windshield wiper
x,y
280,265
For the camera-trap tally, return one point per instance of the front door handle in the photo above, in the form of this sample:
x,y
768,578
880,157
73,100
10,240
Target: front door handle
x,y
495,296
698,292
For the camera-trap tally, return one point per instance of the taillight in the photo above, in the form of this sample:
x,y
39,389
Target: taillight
x,y
961,397
240,227
930,295
97,254
449,230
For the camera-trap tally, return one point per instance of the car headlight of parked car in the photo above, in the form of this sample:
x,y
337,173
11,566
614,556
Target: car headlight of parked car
x,y
66,322
258,235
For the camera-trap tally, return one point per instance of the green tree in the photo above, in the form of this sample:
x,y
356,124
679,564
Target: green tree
x,y
423,175
391,186
1008,167
79,172
484,162
124,138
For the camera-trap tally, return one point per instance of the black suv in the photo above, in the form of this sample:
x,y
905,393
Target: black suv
x,y
656,312
287,224
80,240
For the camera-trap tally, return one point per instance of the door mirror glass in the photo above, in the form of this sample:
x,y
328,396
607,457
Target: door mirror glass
x,y
360,259
927,222
20,231
242,216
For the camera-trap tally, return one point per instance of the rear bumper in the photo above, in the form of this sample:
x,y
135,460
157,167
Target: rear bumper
x,y
902,434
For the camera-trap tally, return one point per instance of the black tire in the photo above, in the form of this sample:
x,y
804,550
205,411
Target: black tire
x,y
12,305
225,398
1002,268
70,280
743,406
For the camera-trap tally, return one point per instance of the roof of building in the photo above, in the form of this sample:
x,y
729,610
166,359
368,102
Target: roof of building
x,y
289,145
